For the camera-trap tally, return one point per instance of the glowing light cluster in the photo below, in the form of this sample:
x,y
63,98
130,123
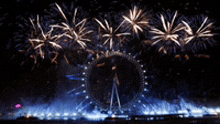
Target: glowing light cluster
x,y
151,111
18,106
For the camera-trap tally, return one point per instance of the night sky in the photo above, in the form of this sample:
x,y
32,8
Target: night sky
x,y
196,78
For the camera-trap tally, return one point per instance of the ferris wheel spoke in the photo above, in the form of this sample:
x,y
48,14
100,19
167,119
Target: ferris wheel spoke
x,y
112,97
117,95
115,92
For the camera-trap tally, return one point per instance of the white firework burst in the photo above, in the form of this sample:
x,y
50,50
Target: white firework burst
x,y
44,44
204,31
109,33
169,34
136,20
75,32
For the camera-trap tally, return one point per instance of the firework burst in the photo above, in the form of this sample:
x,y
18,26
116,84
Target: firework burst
x,y
66,29
44,41
74,32
137,20
170,34
198,36
109,34
40,41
